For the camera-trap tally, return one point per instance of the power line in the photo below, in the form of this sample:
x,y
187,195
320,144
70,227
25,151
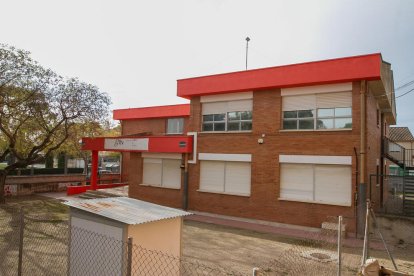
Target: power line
x,y
409,91
400,87
405,85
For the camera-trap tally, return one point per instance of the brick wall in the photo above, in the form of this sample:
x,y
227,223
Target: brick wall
x,y
373,155
263,203
164,196
154,127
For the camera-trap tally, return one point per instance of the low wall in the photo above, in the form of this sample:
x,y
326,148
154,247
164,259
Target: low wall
x,y
26,185
54,178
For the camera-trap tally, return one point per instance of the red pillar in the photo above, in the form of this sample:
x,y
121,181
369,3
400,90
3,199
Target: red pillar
x,y
94,170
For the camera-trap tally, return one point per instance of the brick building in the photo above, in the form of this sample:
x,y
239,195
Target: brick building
x,y
289,144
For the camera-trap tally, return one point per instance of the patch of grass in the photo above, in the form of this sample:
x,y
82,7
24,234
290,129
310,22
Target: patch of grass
x,y
39,207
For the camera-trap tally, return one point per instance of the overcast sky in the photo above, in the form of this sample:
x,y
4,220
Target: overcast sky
x,y
136,50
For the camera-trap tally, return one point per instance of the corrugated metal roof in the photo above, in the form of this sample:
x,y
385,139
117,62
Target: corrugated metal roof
x,y
401,134
127,210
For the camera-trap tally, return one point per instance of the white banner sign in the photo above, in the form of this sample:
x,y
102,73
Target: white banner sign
x,y
126,144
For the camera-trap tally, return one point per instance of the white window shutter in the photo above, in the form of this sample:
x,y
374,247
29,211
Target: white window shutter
x,y
238,178
214,108
171,173
302,102
212,176
330,100
296,181
333,184
245,105
152,171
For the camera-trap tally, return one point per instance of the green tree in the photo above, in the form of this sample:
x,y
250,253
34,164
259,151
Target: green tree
x,y
38,109
72,146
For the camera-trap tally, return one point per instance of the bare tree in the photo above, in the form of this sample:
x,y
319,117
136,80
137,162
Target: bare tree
x,y
38,109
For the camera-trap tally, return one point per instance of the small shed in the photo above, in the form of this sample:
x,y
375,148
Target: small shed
x,y
100,229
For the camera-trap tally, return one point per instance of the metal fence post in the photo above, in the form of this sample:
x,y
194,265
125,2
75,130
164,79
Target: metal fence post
x,y
19,268
339,245
129,257
365,252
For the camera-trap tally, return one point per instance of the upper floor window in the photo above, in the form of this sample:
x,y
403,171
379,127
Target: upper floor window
x,y
230,121
175,126
317,111
227,113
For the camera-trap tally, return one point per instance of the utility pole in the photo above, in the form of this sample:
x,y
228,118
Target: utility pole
x,y
247,49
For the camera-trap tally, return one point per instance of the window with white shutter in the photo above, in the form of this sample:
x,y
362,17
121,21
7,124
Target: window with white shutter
x,y
296,181
162,172
318,183
226,113
317,111
152,171
225,177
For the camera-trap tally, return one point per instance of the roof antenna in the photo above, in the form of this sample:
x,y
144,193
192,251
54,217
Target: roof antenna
x,y
247,48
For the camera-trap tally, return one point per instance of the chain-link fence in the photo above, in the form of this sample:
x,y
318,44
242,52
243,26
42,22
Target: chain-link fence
x,y
43,244
390,241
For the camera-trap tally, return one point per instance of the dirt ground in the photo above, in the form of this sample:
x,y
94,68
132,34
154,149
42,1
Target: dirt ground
x,y
235,250
241,250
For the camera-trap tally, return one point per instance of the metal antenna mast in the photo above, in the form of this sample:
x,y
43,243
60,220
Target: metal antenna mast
x,y
247,49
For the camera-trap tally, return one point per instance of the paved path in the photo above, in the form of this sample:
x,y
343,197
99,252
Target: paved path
x,y
282,230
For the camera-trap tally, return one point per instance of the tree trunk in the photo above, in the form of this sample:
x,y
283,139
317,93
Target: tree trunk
x,y
65,165
85,167
3,175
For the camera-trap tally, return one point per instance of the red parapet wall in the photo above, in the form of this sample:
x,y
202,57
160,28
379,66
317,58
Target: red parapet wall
x,y
166,111
365,67
74,190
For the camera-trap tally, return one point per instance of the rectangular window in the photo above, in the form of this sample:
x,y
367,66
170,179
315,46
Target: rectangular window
x,y
317,111
175,126
334,118
319,183
227,116
214,122
162,172
225,177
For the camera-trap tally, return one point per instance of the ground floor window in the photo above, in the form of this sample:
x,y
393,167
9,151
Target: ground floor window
x,y
320,183
225,177
162,172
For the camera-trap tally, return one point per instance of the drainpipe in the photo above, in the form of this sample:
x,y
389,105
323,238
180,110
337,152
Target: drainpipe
x,y
356,192
382,161
362,187
185,183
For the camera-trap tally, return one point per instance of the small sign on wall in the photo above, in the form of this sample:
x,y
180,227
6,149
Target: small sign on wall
x,y
126,144
10,190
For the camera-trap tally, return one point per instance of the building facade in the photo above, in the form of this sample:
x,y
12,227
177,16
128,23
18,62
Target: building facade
x,y
290,144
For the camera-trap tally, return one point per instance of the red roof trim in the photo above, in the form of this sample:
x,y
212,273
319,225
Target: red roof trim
x,y
310,73
179,110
